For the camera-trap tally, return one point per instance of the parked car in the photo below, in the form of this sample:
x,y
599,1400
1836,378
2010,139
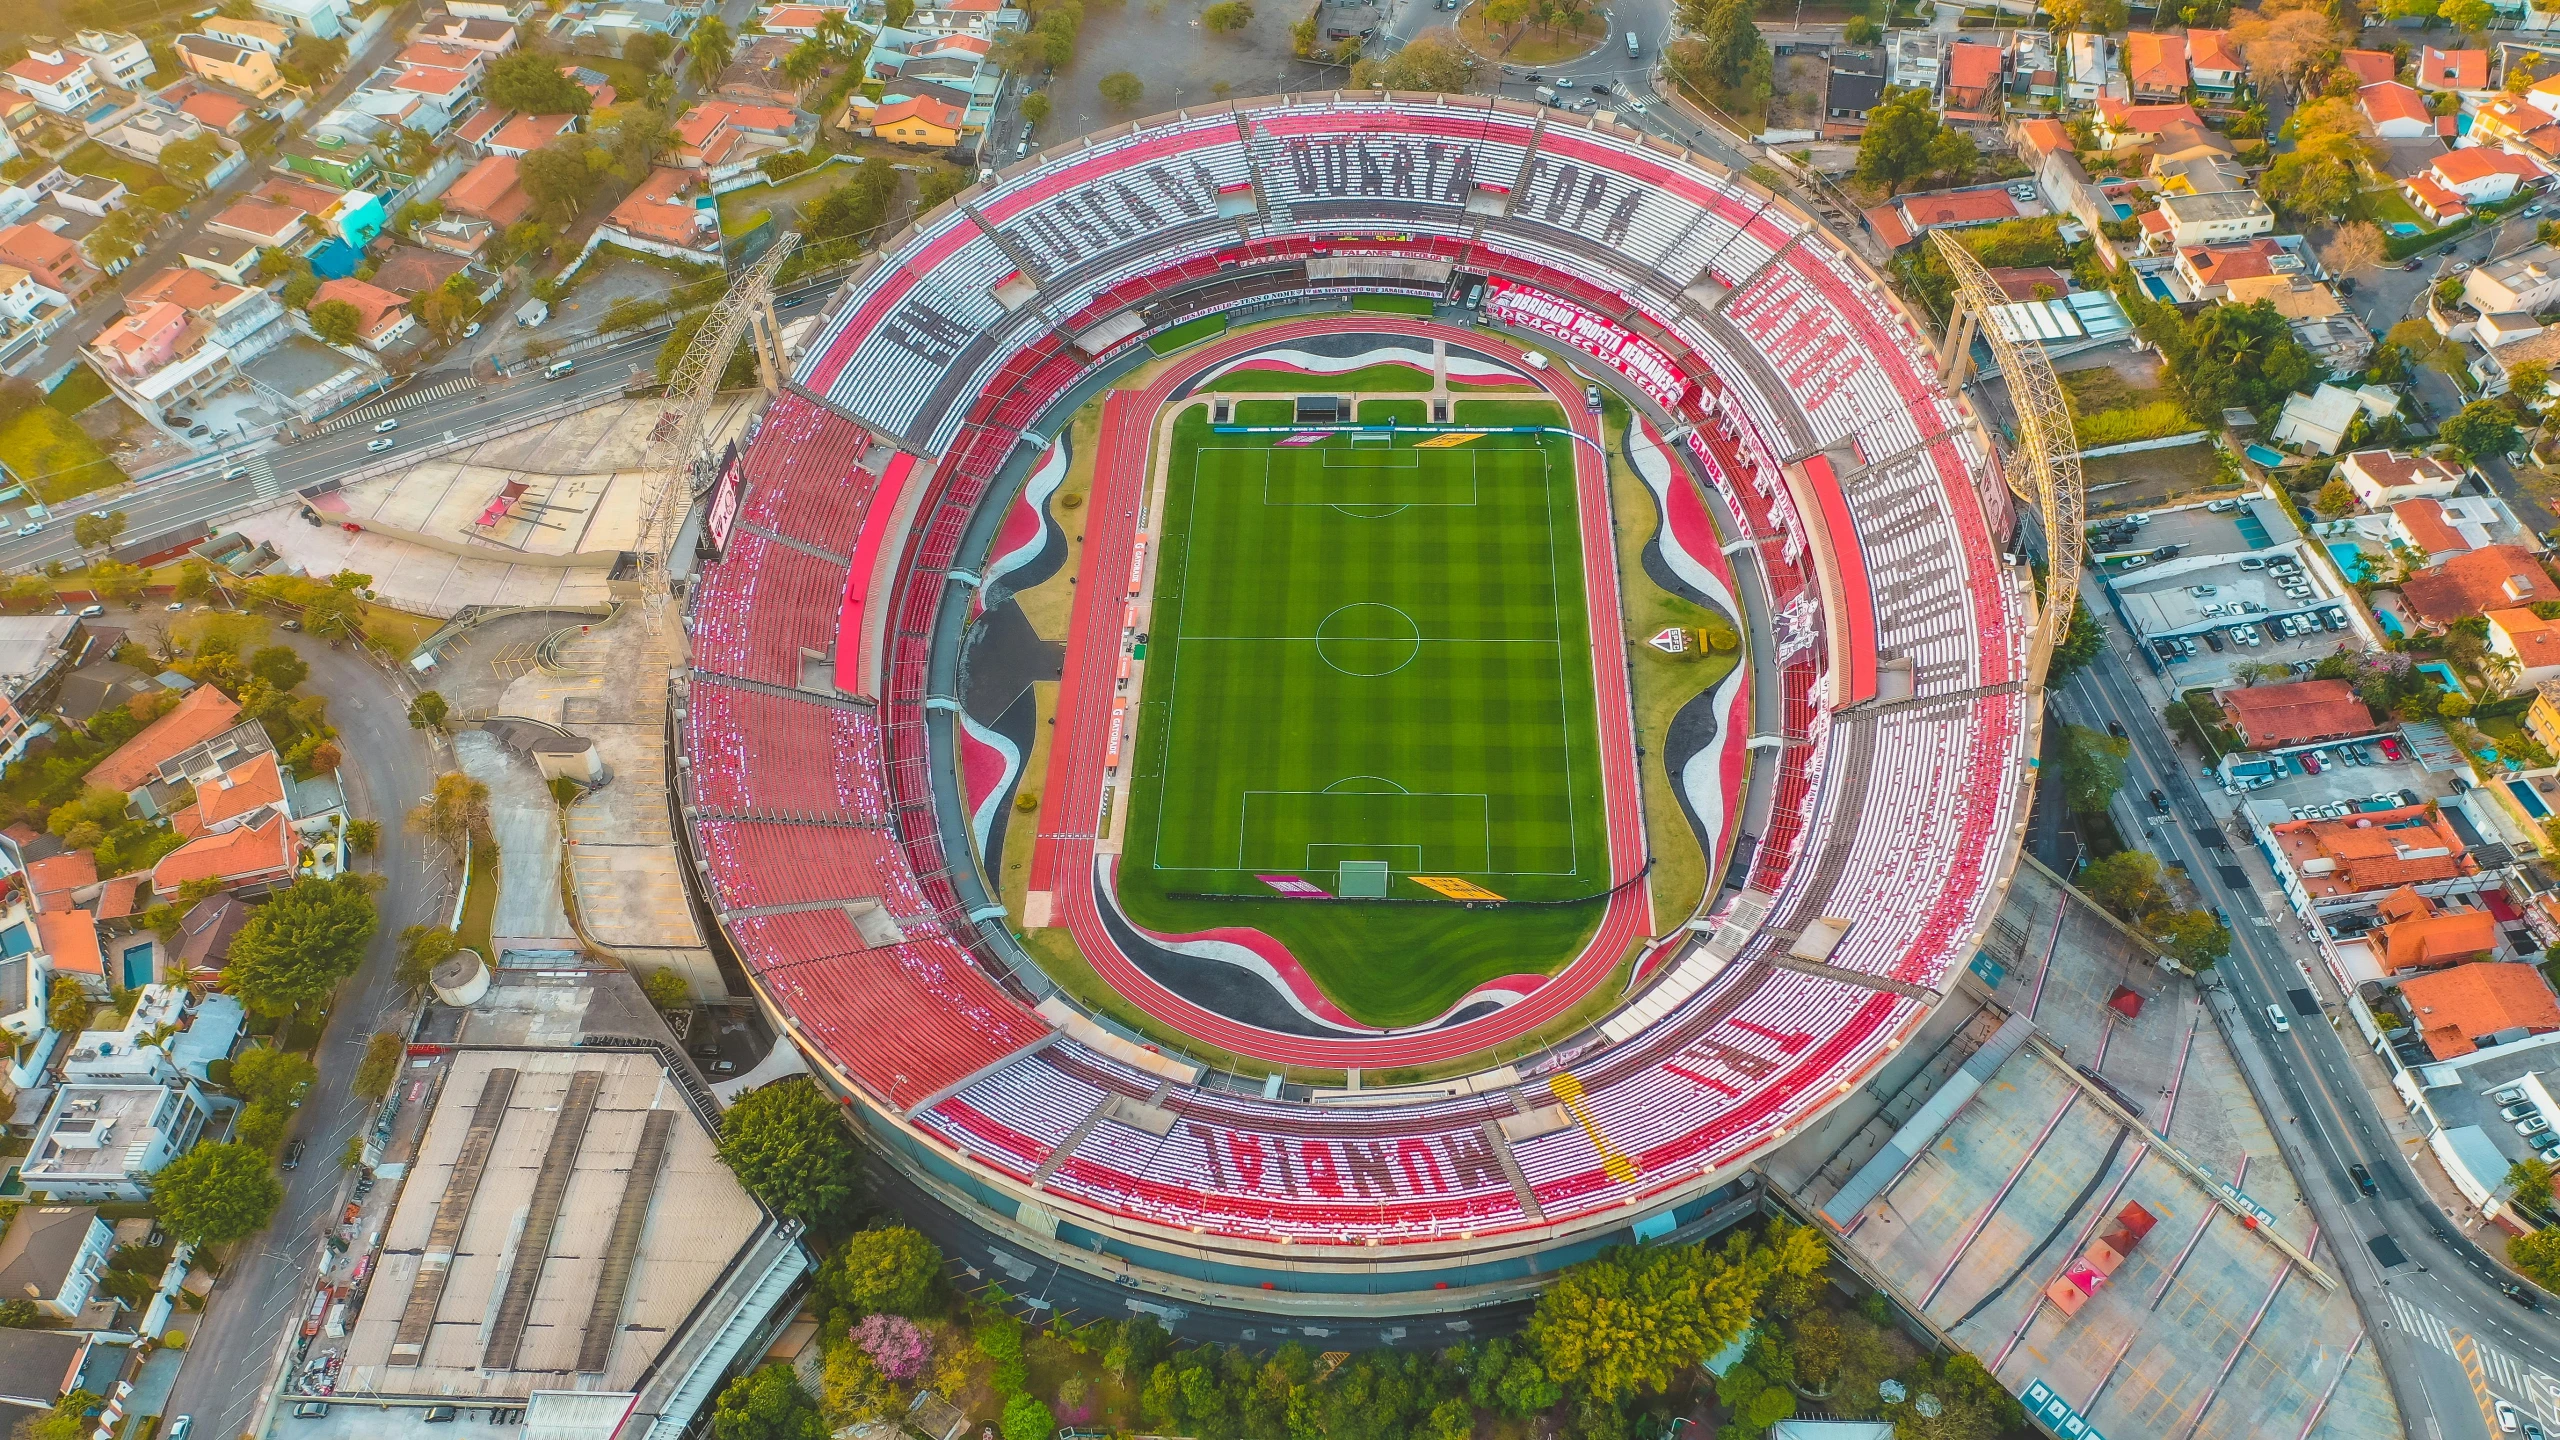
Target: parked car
x,y
2519,1110
2116,728
2532,1126
293,1156
2522,1296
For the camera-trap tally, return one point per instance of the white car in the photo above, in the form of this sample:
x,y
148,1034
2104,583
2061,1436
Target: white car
x,y
386,427
382,444
32,527
2275,1017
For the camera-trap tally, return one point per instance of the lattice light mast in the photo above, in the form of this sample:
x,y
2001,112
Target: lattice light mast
x,y
2045,468
677,459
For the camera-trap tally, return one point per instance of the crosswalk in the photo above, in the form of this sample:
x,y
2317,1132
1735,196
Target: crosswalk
x,y
366,415
262,473
2495,1368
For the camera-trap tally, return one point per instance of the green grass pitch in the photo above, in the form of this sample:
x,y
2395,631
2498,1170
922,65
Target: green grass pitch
x,y
1363,653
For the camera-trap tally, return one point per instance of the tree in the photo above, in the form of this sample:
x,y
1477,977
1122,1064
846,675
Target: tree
x,y
67,1006
380,1067
215,1194
647,49
2481,428
96,532
336,321
2336,500
530,81
422,948
300,291
279,666
1862,29
2358,245
2537,1256
456,810
1895,147
296,947
2126,884
638,137
2092,767
263,1072
1035,107
427,712
69,1419
192,161
2082,643
116,240
2454,706
2530,382
1228,17
666,989
2194,937
1028,1419
712,49
791,1151
1735,52
1121,90
2529,1180
2283,46
891,1271
767,1404
2468,16
1634,1320
363,836
559,177
1430,63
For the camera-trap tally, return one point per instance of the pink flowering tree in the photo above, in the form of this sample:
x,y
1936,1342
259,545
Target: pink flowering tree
x,y
894,1344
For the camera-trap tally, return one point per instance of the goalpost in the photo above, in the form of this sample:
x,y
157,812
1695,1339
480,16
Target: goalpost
x,y
1383,439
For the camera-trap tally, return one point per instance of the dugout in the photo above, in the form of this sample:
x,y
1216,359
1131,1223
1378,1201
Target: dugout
x,y
1322,410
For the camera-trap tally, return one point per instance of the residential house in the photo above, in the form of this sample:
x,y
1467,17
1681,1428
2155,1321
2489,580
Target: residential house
x,y
328,19
1856,86
56,79
204,713
756,75
261,35
2370,67
2121,125
2089,67
385,316
259,222
2496,366
2214,64
233,262
2455,70
1976,76
2434,535
2328,867
2529,644
2320,421
799,21
488,191
2384,478
2476,582
2471,1006
24,302
2459,179
114,57
223,113
497,37
2433,202
251,72
252,858
2156,65
336,161
52,1257
2039,137
2395,111
2217,218
58,263
2516,123
410,271
2417,934
91,195
493,131
920,122
2208,270
468,61
184,335
102,1143
39,1367
2300,712
660,218
726,138
1910,217
204,936
458,235
2318,318
2526,280
1919,59
2033,72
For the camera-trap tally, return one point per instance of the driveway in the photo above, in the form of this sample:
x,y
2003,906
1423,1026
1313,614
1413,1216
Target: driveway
x,y
235,1342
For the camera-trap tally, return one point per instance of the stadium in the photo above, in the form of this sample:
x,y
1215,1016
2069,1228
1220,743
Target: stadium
x,y
1343,800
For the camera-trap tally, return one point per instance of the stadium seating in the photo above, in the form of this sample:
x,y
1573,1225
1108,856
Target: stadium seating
x,y
1805,351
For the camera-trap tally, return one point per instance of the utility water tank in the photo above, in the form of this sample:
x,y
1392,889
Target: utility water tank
x,y
460,978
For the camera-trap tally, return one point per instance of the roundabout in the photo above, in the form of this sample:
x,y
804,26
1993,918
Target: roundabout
x,y
1113,1072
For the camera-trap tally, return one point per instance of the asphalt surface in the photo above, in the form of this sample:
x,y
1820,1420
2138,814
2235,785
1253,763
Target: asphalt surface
x,y
233,1345
2328,1118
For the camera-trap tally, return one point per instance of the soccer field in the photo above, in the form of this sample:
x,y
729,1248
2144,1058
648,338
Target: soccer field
x,y
1366,664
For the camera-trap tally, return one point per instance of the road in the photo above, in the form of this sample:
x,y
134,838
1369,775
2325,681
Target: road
x,y
261,1297
2414,1315
210,489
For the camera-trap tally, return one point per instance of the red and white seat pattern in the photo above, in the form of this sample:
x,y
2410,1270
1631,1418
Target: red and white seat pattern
x,y
1894,819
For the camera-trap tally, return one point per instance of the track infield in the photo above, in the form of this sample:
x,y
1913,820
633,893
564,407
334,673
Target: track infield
x,y
1365,656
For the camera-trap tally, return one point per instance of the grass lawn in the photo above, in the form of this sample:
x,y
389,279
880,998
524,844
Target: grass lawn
x,y
2389,207
1392,304
1536,44
92,158
78,391
397,631
480,899
1371,655
47,452
1368,379
1190,332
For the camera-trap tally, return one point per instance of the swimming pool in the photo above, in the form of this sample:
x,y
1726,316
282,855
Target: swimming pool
x,y
2265,456
2525,797
2350,559
2443,674
2158,287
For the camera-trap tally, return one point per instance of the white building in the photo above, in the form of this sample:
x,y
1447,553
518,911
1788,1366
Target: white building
x,y
327,19
2091,67
104,1142
2320,419
59,80
115,57
2219,216
2383,478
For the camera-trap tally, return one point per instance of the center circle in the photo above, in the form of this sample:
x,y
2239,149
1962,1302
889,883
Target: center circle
x,y
1368,639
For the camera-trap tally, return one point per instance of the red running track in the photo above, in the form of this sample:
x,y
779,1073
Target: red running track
x,y
1063,861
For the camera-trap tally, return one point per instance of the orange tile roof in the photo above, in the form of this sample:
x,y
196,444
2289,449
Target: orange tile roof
x,y
2475,582
2370,67
658,211
218,111
532,132
1964,207
2391,100
2424,519
71,938
1886,220
182,286
372,302
2458,1007
260,851
1973,67
2044,136
2156,62
299,195
923,107
2211,50
2380,850
2435,197
2536,640
2453,69
489,190
2461,167
2438,939
2296,712
124,896
254,782
261,218
205,713
49,72
51,880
